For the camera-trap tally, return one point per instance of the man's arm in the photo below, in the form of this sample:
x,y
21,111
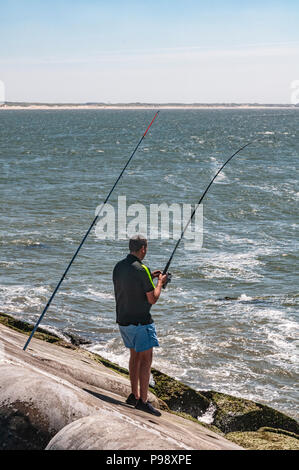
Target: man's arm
x,y
154,294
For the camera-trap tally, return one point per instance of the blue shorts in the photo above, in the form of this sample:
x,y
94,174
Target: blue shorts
x,y
140,337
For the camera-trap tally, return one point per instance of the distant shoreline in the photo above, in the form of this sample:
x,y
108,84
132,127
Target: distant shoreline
x,y
136,106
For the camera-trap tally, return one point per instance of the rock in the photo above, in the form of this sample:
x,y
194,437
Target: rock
x,y
34,407
178,396
49,387
238,414
111,432
26,328
75,339
52,386
266,439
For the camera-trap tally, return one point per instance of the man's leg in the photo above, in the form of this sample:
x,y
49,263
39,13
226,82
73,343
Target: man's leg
x,y
145,362
134,367
140,371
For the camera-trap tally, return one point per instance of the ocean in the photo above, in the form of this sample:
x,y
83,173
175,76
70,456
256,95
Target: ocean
x,y
228,321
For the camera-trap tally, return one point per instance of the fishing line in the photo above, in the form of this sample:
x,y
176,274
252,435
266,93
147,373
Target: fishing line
x,y
86,235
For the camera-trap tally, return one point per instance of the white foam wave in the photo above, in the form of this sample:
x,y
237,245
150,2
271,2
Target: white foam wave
x,y
197,139
244,297
89,293
234,265
21,241
97,295
208,416
56,331
14,298
112,350
266,133
8,264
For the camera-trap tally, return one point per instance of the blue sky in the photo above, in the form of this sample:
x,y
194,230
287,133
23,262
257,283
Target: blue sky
x,y
157,51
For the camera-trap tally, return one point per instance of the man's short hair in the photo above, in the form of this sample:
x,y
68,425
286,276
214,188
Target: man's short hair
x,y
136,243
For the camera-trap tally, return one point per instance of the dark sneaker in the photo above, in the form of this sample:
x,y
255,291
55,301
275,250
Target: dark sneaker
x,y
147,407
131,400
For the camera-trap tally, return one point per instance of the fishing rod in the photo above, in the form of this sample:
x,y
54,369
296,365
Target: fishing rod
x,y
86,235
165,271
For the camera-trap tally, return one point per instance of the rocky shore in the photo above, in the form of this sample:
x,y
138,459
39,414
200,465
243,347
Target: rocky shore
x,y
58,395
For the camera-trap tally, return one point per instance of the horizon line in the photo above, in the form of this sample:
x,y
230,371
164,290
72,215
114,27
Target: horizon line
x,y
142,103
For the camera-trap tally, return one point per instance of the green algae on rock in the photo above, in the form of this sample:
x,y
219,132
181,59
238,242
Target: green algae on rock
x,y
265,439
26,328
178,396
41,333
238,414
109,364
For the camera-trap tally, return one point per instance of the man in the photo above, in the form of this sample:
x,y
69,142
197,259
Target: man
x,y
135,293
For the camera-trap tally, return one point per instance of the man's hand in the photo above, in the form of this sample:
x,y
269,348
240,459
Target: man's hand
x,y
153,295
160,275
162,278
156,273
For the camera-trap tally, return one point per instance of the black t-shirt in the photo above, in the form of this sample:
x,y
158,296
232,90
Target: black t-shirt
x,y
131,282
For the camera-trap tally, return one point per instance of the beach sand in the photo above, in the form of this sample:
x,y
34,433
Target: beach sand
x,y
138,106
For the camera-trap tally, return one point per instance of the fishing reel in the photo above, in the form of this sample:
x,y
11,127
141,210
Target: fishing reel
x,y
168,279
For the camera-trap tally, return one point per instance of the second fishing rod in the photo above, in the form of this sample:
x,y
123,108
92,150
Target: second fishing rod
x,y
86,235
165,271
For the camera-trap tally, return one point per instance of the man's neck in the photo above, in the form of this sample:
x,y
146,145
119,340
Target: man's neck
x,y
136,255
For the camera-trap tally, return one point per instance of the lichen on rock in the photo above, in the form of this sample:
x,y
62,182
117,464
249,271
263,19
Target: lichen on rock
x,y
265,439
238,414
26,328
178,396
